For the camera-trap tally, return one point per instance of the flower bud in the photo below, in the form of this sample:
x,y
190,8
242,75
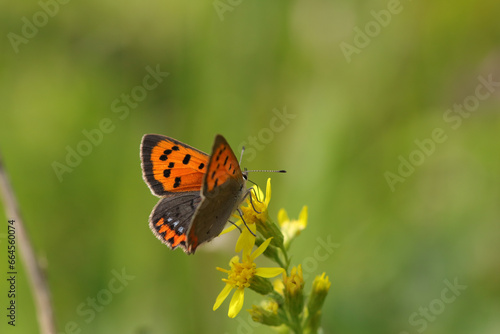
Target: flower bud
x,y
261,285
266,314
294,286
320,288
268,229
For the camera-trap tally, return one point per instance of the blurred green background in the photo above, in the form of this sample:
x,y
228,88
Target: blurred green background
x,y
232,66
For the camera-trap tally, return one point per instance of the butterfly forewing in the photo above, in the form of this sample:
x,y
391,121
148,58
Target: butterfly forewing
x,y
170,166
223,186
222,166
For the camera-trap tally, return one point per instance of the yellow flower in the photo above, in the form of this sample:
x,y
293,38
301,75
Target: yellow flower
x,y
256,213
278,286
257,219
249,214
321,283
295,282
320,288
294,285
292,228
246,240
270,306
240,276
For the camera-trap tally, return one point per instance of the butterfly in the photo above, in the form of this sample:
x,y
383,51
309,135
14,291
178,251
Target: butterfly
x,y
199,192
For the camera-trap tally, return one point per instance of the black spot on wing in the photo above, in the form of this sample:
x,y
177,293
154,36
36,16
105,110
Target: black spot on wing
x,y
177,182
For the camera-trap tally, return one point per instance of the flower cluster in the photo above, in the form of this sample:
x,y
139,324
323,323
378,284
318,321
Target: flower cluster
x,y
286,305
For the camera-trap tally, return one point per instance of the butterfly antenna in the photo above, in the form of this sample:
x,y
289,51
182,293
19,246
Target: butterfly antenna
x,y
266,171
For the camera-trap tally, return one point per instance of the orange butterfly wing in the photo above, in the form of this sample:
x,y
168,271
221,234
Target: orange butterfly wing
x,y
169,166
223,165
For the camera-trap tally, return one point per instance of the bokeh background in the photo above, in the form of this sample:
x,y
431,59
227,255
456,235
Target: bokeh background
x,y
232,67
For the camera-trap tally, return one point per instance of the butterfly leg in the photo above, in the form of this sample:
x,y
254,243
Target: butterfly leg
x,y
254,191
244,222
248,192
255,194
235,225
251,201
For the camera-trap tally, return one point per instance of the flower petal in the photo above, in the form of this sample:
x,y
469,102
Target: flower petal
x,y
245,242
282,216
268,272
252,228
236,303
234,259
258,194
230,228
268,192
303,216
261,249
222,296
223,270
278,286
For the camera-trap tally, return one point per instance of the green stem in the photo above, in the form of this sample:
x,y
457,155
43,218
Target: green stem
x,y
287,259
294,324
281,264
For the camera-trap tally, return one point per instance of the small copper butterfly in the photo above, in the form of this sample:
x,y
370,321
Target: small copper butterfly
x,y
199,192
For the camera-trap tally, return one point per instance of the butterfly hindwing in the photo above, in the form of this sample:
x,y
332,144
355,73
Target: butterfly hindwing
x,y
172,217
170,166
